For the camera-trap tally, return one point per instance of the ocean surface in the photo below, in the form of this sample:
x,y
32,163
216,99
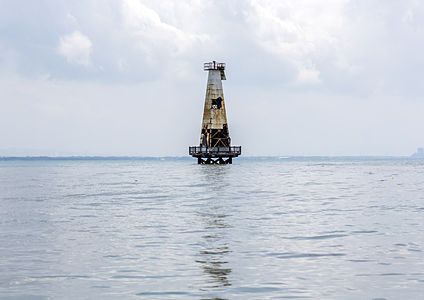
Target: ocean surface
x,y
262,228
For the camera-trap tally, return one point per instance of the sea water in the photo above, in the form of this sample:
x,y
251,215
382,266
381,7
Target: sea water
x,y
262,228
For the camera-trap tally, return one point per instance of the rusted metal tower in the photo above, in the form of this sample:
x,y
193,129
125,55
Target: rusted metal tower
x,y
215,142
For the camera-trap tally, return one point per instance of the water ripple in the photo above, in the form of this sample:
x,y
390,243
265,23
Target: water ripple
x,y
318,228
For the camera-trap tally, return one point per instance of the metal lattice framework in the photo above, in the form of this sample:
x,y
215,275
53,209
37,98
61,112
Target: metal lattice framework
x,y
214,155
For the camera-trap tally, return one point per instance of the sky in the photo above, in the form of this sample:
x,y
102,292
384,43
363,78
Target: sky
x,y
125,77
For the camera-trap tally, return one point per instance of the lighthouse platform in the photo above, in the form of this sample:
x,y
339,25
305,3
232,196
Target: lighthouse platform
x,y
214,155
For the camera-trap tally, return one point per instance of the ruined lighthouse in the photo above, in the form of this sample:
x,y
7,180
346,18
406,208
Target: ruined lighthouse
x,y
215,142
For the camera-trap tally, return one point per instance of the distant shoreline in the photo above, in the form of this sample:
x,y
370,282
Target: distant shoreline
x,y
188,158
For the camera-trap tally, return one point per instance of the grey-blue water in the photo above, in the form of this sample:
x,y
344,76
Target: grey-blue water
x,y
317,228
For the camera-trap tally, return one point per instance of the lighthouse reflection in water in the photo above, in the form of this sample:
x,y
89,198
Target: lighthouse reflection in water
x,y
213,256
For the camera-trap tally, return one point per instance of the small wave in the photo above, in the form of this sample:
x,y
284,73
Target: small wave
x,y
381,274
363,231
286,255
60,276
169,293
360,260
317,237
251,290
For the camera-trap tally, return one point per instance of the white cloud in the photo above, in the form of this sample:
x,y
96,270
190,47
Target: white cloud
x,y
76,48
154,35
298,31
308,75
71,20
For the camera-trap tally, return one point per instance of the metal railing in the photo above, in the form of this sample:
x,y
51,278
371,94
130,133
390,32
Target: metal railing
x,y
213,66
233,150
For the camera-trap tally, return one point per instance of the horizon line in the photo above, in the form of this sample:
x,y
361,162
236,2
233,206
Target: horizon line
x,y
189,157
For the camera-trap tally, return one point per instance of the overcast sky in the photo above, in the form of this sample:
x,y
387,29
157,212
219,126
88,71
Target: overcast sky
x,y
111,77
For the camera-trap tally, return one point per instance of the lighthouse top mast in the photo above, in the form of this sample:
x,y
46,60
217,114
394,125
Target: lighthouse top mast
x,y
213,65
